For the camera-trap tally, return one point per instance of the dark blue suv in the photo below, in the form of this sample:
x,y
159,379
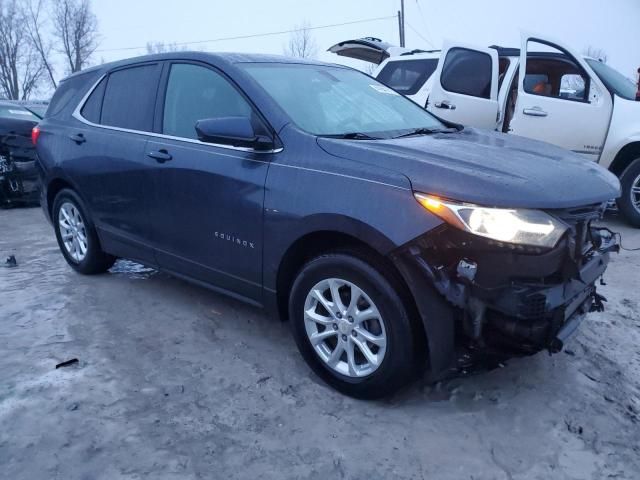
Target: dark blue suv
x,y
390,239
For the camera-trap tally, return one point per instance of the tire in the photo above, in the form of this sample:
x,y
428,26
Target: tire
x,y
630,179
69,210
397,356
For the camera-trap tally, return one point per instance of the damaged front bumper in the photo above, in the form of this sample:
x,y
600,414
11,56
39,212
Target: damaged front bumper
x,y
503,300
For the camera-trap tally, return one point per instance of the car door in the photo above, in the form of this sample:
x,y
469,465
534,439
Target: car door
x,y
108,160
465,86
560,100
208,212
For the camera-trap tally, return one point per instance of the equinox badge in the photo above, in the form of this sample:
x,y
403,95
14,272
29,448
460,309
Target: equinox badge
x,y
231,238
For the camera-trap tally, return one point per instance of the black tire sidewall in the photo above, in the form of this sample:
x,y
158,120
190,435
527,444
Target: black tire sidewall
x,y
95,260
624,202
397,367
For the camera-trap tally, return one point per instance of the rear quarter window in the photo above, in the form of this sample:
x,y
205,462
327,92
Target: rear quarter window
x,y
407,76
69,93
92,108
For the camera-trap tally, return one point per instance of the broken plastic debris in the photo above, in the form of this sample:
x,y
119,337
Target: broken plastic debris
x,y
73,361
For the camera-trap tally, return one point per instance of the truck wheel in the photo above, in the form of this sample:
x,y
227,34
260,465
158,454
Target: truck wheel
x,y
351,325
629,202
76,235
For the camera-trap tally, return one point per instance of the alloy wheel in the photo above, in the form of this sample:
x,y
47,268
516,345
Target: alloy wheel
x,y
635,193
73,231
345,328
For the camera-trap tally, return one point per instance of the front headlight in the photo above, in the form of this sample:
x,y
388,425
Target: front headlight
x,y
518,226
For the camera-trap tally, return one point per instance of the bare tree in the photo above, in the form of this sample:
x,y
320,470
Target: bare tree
x,y
20,65
161,47
597,53
76,27
301,43
36,26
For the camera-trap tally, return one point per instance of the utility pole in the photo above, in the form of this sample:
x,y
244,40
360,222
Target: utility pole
x,y
401,23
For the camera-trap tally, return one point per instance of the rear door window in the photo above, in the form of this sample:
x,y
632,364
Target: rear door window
x,y
196,93
129,98
467,72
407,76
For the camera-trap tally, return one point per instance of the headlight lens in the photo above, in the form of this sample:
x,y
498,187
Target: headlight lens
x,y
518,226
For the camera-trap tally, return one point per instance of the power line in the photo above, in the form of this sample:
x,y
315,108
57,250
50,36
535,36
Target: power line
x,y
255,35
424,22
418,33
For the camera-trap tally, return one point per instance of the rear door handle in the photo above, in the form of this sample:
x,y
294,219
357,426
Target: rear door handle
x,y
160,156
535,112
445,104
78,138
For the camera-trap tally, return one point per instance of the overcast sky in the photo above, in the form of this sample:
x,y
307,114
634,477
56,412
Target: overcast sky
x,y
611,25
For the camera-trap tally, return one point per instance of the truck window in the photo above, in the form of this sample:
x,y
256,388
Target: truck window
x,y
407,76
572,87
503,66
467,72
552,72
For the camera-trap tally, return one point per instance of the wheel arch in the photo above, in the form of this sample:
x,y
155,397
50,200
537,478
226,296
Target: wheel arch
x,y
53,188
624,157
316,242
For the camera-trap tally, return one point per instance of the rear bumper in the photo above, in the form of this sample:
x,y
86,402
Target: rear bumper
x,y
498,301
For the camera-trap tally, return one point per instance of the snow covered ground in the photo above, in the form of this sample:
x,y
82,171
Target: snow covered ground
x,y
174,381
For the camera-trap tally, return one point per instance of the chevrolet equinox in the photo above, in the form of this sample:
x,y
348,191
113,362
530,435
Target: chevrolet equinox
x,y
393,241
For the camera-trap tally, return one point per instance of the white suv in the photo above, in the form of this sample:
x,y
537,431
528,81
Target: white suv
x,y
543,91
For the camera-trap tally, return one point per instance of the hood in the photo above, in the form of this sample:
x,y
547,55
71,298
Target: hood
x,y
486,168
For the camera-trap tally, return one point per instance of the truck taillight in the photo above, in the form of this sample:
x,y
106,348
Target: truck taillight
x,y
35,133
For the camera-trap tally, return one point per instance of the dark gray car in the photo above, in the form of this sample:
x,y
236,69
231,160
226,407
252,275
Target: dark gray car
x,y
391,240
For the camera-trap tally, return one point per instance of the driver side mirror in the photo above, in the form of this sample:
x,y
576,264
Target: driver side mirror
x,y
234,131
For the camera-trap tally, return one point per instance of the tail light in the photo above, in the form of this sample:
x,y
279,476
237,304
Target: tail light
x,y
35,133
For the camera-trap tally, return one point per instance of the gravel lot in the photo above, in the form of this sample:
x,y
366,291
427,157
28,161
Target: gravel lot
x,y
174,381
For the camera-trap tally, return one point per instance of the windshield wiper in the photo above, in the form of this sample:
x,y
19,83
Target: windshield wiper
x,y
352,136
426,131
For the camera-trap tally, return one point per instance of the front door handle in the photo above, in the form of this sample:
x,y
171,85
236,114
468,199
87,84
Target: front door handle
x,y
535,112
78,138
445,104
160,156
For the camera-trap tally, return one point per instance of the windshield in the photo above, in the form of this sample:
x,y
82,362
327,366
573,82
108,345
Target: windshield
x,y
325,100
17,112
614,80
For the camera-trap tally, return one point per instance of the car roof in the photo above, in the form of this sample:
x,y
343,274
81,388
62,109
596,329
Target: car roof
x,y
219,59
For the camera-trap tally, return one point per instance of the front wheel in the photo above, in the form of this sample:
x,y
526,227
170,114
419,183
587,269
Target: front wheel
x,y
629,202
351,325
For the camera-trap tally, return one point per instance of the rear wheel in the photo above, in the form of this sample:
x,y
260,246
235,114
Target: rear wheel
x,y
629,202
351,325
76,235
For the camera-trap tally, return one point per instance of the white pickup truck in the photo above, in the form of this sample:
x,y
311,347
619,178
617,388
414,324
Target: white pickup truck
x,y
543,91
